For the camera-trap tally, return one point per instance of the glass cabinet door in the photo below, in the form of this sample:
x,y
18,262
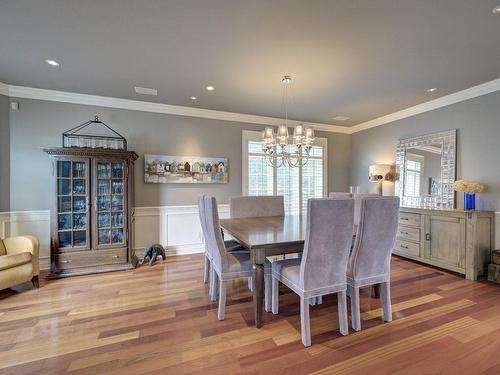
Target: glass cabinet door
x,y
72,189
110,203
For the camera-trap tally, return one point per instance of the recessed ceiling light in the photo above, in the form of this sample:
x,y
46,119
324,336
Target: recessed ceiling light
x,y
52,62
432,89
496,10
194,98
341,118
145,91
210,88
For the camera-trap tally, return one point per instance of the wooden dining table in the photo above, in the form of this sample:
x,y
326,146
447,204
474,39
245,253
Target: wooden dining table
x,y
266,236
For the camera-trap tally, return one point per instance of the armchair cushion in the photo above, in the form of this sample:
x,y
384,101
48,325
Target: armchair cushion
x,y
14,260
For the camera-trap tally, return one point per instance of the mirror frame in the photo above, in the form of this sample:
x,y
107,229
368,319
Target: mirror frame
x,y
448,170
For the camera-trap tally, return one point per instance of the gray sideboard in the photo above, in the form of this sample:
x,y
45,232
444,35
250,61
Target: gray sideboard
x,y
456,240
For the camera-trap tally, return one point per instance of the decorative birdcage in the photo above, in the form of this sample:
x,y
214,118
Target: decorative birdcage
x,y
96,135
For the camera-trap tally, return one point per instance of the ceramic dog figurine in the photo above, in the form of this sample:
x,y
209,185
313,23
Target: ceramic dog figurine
x,y
152,252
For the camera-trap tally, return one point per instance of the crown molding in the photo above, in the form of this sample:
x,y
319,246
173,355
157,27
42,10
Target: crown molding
x,y
459,96
136,105
4,89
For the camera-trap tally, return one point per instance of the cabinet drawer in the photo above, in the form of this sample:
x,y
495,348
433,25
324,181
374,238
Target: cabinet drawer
x,y
409,248
91,258
409,219
409,233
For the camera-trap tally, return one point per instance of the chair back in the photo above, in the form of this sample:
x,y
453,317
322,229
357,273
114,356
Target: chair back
x,y
339,195
357,204
201,213
327,243
214,235
371,255
256,206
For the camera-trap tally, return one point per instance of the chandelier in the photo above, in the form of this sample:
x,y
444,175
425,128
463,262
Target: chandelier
x,y
280,148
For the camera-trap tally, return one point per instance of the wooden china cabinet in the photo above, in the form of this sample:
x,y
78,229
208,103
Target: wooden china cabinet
x,y
92,214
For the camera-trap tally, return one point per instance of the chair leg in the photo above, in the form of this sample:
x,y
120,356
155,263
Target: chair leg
x,y
385,297
319,300
276,295
312,301
355,309
250,284
305,325
215,283
35,281
267,293
206,270
342,308
222,300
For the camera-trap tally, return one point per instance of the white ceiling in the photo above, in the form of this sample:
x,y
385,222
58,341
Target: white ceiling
x,y
361,59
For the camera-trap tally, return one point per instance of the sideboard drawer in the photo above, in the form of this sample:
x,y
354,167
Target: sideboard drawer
x,y
90,258
408,248
409,219
409,233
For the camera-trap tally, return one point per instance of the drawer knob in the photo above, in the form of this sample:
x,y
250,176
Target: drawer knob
x,y
428,236
404,233
403,246
66,261
405,218
116,256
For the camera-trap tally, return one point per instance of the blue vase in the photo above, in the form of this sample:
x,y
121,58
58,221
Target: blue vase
x,y
469,201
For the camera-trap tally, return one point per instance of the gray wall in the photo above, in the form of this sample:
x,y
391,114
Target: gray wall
x,y
41,123
4,154
478,124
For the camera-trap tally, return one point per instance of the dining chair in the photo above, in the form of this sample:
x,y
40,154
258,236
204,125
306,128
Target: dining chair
x,y
370,260
227,265
208,256
322,269
357,205
229,245
256,206
339,195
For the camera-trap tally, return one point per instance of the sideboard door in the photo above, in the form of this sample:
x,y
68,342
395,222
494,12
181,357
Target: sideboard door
x,y
445,241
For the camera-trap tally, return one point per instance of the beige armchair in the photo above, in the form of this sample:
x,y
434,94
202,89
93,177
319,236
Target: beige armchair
x,y
19,261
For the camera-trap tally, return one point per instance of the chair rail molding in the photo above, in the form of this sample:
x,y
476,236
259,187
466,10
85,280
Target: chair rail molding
x,y
177,228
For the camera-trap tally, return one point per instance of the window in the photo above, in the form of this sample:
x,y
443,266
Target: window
x,y
296,185
414,167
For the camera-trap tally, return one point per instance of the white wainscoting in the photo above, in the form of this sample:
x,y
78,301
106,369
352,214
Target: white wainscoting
x,y
35,223
175,227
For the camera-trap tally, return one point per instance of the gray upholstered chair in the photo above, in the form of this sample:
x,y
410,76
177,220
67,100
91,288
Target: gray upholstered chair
x,y
323,267
256,206
357,204
339,195
229,245
370,260
208,256
226,265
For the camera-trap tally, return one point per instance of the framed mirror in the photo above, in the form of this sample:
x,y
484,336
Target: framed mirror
x,y
427,167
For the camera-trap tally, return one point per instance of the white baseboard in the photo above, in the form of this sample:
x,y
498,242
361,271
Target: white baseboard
x,y
177,228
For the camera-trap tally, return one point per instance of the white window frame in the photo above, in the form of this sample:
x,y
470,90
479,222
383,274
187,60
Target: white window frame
x,y
417,159
255,136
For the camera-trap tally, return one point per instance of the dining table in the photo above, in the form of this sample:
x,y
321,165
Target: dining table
x,y
265,237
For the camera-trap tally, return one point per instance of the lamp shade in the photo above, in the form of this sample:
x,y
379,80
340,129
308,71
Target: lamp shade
x,y
377,172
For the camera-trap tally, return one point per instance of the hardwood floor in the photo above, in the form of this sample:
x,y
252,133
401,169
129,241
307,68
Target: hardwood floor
x,y
159,320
